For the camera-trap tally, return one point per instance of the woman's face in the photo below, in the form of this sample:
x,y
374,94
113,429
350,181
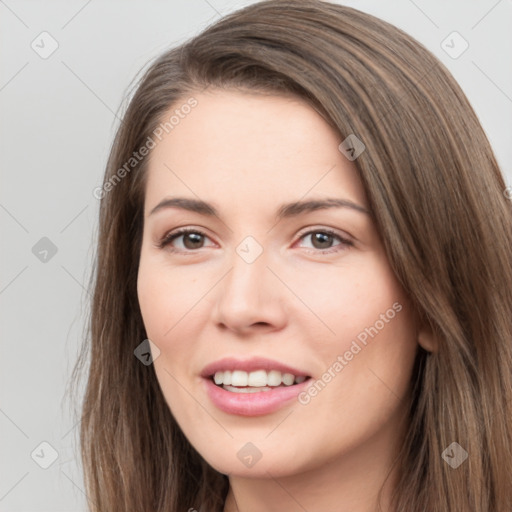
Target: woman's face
x,y
298,290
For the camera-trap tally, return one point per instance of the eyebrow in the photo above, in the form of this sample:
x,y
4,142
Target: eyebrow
x,y
285,211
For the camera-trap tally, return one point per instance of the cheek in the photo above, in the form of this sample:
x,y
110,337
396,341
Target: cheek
x,y
166,298
368,357
169,302
153,301
353,301
368,369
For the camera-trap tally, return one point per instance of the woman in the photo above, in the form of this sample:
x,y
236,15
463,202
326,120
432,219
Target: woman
x,y
303,293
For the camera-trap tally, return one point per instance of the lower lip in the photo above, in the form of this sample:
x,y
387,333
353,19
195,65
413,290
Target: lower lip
x,y
252,404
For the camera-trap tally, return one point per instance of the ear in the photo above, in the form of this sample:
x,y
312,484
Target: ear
x,y
427,338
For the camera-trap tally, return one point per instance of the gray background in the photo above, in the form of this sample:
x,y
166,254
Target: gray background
x,y
58,118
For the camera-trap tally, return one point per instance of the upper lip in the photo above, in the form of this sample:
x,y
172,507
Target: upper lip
x,y
249,365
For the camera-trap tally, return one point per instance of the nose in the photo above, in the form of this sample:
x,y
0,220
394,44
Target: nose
x,y
250,298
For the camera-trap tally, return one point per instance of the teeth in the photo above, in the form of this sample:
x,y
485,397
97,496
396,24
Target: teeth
x,y
258,379
273,378
288,379
246,390
239,378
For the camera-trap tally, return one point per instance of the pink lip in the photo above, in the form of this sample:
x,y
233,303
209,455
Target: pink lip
x,y
249,365
252,404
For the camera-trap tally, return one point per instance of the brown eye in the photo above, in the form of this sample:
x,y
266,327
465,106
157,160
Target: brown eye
x,y
192,239
322,240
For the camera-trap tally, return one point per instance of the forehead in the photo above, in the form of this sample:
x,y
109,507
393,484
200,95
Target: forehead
x,y
242,148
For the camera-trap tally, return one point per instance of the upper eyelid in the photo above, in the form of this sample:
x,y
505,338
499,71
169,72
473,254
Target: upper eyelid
x,y
337,232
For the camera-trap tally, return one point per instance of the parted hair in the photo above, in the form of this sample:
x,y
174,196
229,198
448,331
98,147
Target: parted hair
x,y
438,200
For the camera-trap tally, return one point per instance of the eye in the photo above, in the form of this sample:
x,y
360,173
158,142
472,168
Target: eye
x,y
322,239
192,239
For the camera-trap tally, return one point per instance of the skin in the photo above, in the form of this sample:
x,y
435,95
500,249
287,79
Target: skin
x,y
300,302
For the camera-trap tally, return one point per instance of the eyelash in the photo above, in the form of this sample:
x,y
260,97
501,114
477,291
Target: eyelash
x,y
170,237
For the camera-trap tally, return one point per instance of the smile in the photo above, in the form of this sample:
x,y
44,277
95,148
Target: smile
x,y
239,381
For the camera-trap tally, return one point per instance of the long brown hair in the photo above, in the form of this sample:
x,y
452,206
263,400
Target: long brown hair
x,y
438,200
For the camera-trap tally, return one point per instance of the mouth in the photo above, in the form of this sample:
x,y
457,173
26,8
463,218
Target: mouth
x,y
252,387
239,381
